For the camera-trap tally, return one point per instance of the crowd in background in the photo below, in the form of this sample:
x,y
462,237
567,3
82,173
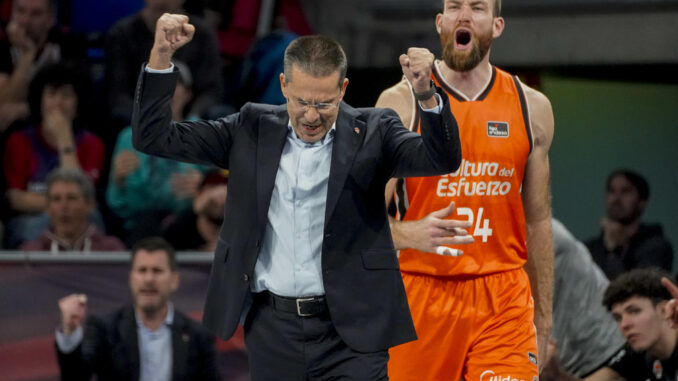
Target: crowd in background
x,y
58,111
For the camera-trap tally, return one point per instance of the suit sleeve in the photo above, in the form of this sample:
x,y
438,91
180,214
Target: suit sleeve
x,y
436,151
71,365
86,358
154,133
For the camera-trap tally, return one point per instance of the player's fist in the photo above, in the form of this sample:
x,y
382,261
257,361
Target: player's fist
x,y
73,308
417,65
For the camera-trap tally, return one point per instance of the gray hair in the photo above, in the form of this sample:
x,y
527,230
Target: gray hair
x,y
74,176
316,55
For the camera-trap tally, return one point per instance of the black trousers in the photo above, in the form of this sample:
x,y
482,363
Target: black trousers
x,y
284,346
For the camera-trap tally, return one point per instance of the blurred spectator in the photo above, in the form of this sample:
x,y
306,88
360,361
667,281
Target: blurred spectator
x,y
585,333
198,228
637,300
127,46
55,139
238,33
148,340
262,68
252,46
144,190
624,242
70,203
32,41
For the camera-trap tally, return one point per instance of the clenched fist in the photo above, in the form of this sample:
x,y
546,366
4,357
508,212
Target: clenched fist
x,y
171,33
417,65
73,308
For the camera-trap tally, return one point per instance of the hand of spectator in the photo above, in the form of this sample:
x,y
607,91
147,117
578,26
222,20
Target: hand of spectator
x,y
73,308
431,233
185,185
613,234
11,112
18,37
124,164
58,127
172,31
417,65
671,309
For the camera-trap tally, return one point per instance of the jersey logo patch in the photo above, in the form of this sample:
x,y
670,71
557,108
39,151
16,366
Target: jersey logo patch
x,y
532,357
498,129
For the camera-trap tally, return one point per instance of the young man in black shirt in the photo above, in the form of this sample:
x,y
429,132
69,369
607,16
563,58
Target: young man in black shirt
x,y
638,301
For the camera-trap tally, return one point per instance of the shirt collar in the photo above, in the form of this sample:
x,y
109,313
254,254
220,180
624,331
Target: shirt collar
x,y
169,318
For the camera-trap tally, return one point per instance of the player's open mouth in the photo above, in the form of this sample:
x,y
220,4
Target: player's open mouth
x,y
462,39
310,128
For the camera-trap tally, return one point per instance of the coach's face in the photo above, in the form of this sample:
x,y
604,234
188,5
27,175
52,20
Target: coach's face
x,y
312,102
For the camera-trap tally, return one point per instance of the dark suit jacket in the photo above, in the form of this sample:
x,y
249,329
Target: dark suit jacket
x,y
360,271
110,349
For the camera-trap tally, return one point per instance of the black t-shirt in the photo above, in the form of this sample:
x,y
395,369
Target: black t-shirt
x,y
635,366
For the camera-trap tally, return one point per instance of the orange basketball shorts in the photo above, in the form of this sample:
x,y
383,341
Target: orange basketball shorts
x,y
475,329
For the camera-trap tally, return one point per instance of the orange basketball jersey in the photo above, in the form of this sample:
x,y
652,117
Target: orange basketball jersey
x,y
496,140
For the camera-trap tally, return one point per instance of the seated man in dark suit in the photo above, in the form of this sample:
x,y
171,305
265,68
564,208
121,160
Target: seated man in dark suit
x,y
148,340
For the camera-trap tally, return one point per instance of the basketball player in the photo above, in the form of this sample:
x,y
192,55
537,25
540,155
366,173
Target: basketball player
x,y
483,309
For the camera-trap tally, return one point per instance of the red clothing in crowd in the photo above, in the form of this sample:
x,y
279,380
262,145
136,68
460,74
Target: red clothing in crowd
x,y
91,240
29,158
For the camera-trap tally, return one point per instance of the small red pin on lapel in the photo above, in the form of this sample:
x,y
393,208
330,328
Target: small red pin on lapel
x,y
356,130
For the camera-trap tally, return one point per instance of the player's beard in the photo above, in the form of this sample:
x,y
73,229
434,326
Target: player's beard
x,y
465,60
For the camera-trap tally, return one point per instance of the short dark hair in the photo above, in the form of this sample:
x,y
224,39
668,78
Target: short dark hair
x,y
57,75
634,178
642,282
72,175
316,55
156,244
496,10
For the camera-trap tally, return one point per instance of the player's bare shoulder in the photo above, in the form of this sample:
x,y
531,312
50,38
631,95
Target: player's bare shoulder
x,y
541,117
399,98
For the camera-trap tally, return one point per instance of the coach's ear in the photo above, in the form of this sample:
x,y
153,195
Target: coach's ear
x,y
282,85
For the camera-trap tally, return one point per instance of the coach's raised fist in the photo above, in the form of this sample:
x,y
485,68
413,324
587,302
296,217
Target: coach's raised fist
x,y
171,33
417,65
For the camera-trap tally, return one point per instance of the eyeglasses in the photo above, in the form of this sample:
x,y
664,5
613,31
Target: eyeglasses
x,y
319,107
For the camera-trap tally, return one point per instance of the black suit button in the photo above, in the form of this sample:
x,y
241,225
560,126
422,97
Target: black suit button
x,y
245,277
256,244
328,235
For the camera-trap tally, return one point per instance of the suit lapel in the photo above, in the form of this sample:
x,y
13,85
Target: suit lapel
x,y
130,342
180,341
349,134
270,143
